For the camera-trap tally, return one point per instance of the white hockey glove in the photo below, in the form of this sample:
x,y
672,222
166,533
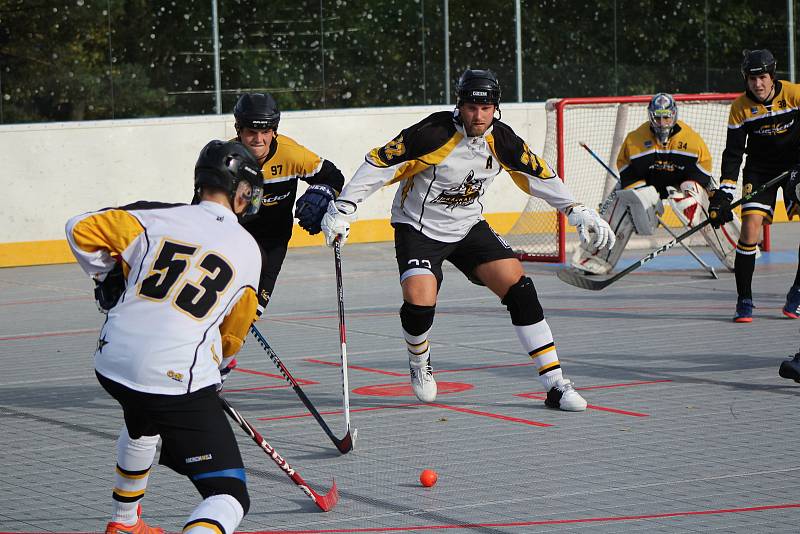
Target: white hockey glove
x,y
336,221
587,220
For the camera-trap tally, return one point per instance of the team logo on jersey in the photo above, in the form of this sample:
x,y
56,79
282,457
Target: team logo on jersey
x,y
176,376
754,111
464,194
748,188
274,199
648,143
101,343
774,129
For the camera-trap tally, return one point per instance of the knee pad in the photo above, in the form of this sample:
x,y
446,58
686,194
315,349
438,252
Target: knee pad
x,y
416,320
523,303
221,485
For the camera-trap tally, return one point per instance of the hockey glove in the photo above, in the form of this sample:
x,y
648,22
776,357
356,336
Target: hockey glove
x,y
108,291
719,207
587,220
336,221
311,207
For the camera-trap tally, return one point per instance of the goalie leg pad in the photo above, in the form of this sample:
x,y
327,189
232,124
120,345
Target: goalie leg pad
x,y
690,205
523,304
591,260
644,205
416,320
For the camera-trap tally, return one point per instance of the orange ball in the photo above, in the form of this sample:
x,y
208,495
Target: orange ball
x,y
428,478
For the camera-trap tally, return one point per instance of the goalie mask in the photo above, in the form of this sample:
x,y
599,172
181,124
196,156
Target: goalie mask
x,y
230,167
663,114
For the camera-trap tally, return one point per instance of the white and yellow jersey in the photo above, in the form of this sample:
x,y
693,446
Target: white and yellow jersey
x,y
444,174
191,277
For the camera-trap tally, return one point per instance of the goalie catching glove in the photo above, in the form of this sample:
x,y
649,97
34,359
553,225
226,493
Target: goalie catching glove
x,y
311,206
719,207
336,221
587,220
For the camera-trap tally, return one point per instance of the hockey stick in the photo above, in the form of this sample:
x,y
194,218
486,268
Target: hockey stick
x,y
345,444
325,502
686,247
337,260
577,279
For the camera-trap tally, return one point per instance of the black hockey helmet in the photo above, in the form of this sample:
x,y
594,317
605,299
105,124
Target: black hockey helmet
x,y
258,111
479,87
226,165
662,106
755,62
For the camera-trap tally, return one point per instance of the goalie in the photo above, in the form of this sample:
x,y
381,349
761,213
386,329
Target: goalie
x,y
663,159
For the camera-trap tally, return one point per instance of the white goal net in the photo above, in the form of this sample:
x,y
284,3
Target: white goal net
x,y
602,124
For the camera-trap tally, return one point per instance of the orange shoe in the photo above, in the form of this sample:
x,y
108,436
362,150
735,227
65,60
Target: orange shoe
x,y
140,527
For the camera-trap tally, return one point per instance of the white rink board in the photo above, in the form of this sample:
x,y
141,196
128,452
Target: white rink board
x,y
55,170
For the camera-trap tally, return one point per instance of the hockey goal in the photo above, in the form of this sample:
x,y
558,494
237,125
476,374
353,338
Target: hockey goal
x,y
540,233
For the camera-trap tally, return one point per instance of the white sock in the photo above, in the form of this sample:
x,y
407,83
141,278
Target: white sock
x,y
134,460
418,347
215,514
537,340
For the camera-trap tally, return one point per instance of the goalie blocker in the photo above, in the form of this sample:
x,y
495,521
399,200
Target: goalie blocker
x,y
638,210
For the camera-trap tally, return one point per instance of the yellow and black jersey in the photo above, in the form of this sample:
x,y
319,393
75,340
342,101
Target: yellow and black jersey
x,y
191,275
444,174
768,132
288,161
642,160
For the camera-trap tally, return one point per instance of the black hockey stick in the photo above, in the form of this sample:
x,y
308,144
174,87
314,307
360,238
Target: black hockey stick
x,y
325,502
337,260
583,281
345,444
686,247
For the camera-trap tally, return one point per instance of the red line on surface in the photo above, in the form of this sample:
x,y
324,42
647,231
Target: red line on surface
x,y
42,301
358,367
51,334
300,381
610,519
372,408
542,396
492,415
627,384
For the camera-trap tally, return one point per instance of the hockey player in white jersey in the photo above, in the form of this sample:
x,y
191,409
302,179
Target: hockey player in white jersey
x,y
444,165
178,284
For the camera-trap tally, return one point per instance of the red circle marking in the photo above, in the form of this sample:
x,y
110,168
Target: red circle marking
x,y
403,389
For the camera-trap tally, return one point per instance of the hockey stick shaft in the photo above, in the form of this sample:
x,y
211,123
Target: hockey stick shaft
x,y
586,283
325,502
344,444
337,260
610,171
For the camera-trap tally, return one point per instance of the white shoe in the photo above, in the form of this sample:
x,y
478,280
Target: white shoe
x,y
422,381
564,397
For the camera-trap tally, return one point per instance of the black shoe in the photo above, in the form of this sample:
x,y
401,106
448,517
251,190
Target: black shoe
x,y
791,368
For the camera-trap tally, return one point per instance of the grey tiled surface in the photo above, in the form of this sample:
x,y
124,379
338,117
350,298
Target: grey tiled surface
x,y
711,450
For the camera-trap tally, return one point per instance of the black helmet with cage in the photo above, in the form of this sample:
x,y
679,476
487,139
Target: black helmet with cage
x,y
755,62
258,111
479,87
230,167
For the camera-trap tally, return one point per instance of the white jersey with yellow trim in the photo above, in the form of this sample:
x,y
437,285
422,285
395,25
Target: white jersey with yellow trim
x,y
444,174
190,297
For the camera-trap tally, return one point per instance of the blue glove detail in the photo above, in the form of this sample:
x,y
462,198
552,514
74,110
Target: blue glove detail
x,y
311,207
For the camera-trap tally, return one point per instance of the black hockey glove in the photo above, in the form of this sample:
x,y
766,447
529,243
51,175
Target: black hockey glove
x,y
311,207
108,292
719,207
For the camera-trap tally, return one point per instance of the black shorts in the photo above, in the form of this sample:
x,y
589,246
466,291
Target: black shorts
x,y
196,437
419,254
763,203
